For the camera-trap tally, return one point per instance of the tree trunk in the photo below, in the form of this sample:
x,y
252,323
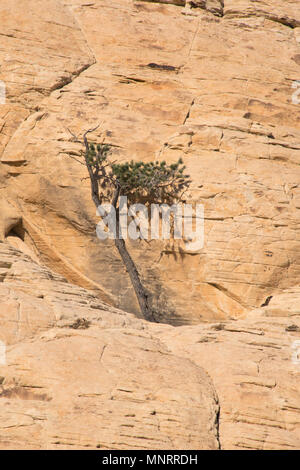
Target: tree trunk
x,y
140,291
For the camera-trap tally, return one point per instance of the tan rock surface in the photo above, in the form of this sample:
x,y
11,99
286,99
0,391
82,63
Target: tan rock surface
x,y
80,374
254,363
211,81
41,49
223,102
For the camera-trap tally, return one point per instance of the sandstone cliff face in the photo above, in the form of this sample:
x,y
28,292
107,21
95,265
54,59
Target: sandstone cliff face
x,y
255,366
207,80
213,82
80,374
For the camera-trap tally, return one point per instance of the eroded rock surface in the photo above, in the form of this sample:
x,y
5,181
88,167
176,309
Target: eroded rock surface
x,y
255,367
81,374
214,82
210,81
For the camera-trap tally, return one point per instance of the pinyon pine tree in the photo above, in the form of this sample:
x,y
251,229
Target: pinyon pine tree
x,y
151,182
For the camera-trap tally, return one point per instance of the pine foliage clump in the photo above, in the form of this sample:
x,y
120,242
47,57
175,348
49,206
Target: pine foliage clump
x,y
139,181
142,182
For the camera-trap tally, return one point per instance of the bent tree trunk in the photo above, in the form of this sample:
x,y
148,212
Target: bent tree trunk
x,y
140,291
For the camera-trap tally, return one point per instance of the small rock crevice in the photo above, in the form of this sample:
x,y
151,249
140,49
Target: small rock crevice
x,y
289,22
212,6
217,424
64,81
216,7
189,112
